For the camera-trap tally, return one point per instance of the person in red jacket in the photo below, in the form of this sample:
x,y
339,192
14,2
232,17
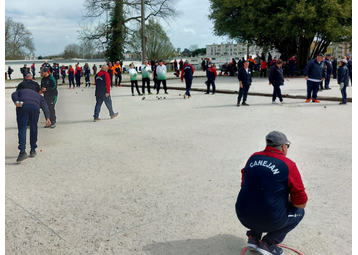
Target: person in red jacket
x,y
187,72
211,78
78,74
102,93
263,68
71,76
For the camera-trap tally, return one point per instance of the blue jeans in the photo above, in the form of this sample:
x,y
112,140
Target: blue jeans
x,y
188,86
99,101
312,89
28,113
294,216
344,94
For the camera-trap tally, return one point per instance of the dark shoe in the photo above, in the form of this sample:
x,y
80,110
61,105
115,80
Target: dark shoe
x,y
207,93
21,157
252,243
328,88
53,125
132,94
97,119
342,103
213,94
166,92
264,249
115,115
206,82
245,104
47,126
238,104
33,153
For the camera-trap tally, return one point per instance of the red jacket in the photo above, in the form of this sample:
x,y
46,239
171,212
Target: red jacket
x,y
107,78
263,65
78,69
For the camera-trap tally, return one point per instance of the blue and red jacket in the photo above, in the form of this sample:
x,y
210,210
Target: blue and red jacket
x,y
187,72
103,83
268,179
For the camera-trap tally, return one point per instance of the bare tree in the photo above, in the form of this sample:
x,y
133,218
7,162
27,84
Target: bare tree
x,y
109,22
18,40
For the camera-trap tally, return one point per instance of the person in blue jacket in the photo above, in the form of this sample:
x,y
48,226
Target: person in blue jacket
x,y
276,80
187,74
245,79
329,70
315,72
343,79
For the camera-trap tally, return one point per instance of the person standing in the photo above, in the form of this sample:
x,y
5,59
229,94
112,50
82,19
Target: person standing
x,y
343,79
154,69
87,73
78,74
334,68
33,70
49,89
63,73
203,65
10,71
181,64
102,93
161,72
24,70
134,80
28,103
349,65
263,68
212,73
56,72
118,74
71,76
175,65
258,62
187,74
245,79
272,197
276,80
94,69
314,73
47,65
291,66
110,72
329,69
146,77
28,83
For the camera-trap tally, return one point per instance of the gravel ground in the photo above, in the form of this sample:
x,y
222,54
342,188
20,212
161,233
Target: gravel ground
x,y
163,177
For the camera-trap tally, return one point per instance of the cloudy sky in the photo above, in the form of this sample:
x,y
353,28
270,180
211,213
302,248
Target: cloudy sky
x,y
53,26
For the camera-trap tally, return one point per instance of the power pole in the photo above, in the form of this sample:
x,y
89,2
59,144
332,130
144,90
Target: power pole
x,y
144,53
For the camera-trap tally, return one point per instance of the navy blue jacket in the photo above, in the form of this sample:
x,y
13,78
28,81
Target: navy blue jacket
x,y
276,76
343,75
329,66
315,70
29,84
245,77
350,65
29,96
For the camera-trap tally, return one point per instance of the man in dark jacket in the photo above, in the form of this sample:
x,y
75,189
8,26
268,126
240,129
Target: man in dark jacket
x,y
276,80
272,196
334,70
24,70
49,89
329,69
187,74
349,65
28,103
315,72
102,93
211,73
29,84
245,80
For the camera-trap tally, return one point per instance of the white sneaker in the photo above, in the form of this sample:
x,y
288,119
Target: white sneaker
x,y
274,102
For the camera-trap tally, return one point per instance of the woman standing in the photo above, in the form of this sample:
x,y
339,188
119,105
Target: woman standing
x,y
87,73
343,79
276,80
71,76
133,76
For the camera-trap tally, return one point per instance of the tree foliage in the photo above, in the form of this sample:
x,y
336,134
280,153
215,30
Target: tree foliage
x,y
110,23
291,26
18,40
158,44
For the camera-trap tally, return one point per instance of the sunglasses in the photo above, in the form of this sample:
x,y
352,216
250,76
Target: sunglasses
x,y
287,145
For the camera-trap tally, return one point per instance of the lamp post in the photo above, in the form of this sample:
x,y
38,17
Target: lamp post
x,y
144,52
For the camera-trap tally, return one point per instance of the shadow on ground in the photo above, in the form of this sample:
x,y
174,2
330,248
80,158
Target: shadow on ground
x,y
217,245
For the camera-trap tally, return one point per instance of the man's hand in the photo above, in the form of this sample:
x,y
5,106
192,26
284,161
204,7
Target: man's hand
x,y
323,79
107,95
270,83
306,78
48,122
241,86
43,89
17,103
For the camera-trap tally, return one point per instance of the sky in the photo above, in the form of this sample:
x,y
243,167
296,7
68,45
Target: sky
x,y
54,26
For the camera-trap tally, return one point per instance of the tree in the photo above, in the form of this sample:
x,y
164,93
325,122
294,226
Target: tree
x,y
290,26
199,51
72,51
18,40
158,44
115,21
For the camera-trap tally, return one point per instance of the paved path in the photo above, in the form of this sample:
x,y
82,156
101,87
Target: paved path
x,y
162,178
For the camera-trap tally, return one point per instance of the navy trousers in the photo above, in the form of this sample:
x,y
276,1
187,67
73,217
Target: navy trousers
x,y
211,82
243,93
78,80
276,92
99,102
118,80
344,94
312,89
188,83
28,113
294,216
326,81
71,79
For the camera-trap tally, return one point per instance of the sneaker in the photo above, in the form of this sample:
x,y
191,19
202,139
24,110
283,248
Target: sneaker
x,y
21,157
166,92
139,94
97,119
132,94
307,100
53,125
252,243
213,93
328,88
342,103
274,102
47,126
315,101
115,115
143,94
33,153
264,249
206,83
207,93
282,102
244,103
184,96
